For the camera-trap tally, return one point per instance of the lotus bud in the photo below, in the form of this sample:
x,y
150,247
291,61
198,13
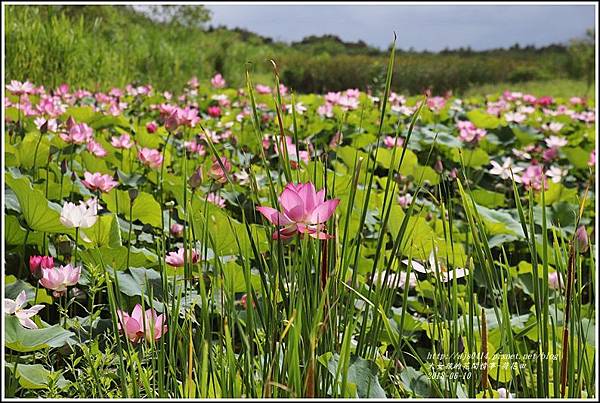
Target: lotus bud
x,y
439,167
176,230
582,239
63,167
70,122
151,127
44,127
196,179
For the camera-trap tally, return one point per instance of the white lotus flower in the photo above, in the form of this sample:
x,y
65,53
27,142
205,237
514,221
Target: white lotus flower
x,y
556,174
437,267
24,315
504,170
395,280
556,142
83,215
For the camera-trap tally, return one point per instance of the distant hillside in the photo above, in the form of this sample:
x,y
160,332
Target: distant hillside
x,y
105,46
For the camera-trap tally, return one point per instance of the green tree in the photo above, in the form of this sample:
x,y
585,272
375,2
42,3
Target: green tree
x,y
582,56
189,15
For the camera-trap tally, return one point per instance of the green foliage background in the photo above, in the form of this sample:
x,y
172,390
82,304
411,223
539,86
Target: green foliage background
x,y
104,46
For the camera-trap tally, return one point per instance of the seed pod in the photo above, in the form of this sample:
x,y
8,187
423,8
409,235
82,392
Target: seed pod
x,y
133,194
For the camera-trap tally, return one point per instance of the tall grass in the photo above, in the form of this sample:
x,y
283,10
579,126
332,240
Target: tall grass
x,y
106,46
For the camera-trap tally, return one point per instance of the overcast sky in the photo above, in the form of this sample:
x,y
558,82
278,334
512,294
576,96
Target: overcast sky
x,y
424,27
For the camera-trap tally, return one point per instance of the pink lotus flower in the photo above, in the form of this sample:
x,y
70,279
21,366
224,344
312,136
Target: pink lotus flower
x,y
405,200
305,211
550,154
529,98
176,230
390,142
19,88
214,111
348,103
15,307
97,181
293,154
396,99
150,157
512,96
436,103
332,97
116,92
176,259
187,116
193,82
37,263
263,89
216,171
325,110
587,116
140,324
576,101
151,127
218,81
78,133
58,279
545,101
122,142
215,199
283,90
96,148
194,147
353,92
532,177
266,142
469,132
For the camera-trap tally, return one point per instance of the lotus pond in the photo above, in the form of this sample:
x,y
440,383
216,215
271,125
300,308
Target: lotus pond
x,y
253,242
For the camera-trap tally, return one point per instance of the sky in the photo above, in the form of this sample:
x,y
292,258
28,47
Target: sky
x,y
423,27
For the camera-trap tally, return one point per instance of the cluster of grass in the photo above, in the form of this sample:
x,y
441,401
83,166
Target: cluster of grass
x,y
103,46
